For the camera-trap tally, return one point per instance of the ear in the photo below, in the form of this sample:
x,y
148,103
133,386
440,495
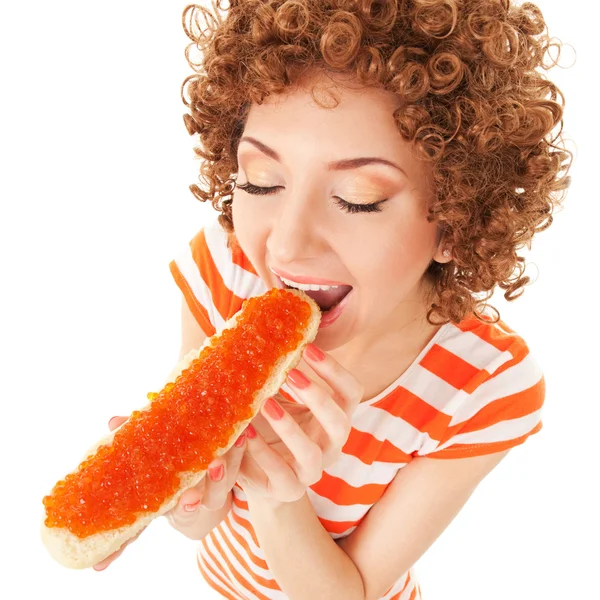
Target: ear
x,y
443,253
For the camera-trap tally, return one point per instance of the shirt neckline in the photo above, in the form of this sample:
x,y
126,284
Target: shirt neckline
x,y
440,333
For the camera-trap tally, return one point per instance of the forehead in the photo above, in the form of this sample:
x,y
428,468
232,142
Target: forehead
x,y
324,103
324,119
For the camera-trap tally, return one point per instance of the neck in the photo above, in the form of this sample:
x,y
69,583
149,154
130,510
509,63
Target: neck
x,y
405,334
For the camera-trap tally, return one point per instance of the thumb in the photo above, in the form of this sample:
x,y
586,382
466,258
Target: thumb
x,y
193,495
184,512
115,422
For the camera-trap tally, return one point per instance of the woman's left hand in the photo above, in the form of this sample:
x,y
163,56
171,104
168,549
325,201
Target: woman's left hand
x,y
302,439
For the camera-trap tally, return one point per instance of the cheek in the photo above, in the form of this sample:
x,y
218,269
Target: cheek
x,y
248,226
242,223
400,258
237,211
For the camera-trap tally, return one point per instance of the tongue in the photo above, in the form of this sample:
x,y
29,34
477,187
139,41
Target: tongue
x,y
328,299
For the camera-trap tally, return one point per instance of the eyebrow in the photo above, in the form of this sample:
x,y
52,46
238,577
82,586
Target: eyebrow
x,y
340,165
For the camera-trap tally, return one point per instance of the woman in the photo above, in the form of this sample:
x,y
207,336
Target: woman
x,y
391,158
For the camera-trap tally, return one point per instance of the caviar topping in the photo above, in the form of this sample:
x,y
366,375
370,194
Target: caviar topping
x,y
186,423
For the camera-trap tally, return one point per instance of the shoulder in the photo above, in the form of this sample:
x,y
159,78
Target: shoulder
x,y
471,354
484,344
214,245
494,388
215,276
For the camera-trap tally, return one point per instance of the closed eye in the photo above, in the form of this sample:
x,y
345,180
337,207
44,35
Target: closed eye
x,y
348,207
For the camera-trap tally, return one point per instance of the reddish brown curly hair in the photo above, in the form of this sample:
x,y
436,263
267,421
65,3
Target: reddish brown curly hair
x,y
474,103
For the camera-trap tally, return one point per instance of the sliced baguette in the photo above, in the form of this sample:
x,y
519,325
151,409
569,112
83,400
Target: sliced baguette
x,y
77,553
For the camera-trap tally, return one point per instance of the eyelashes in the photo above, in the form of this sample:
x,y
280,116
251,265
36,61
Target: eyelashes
x,y
346,206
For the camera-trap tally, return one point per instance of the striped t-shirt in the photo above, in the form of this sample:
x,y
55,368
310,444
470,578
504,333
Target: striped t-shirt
x,y
474,389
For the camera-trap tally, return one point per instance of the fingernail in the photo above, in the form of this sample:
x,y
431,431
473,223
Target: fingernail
x,y
240,441
191,507
250,432
216,473
110,421
100,567
298,379
273,409
314,353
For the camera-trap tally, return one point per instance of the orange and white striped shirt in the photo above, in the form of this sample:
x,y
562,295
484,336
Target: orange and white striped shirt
x,y
474,389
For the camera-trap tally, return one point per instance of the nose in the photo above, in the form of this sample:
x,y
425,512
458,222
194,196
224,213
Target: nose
x,y
296,231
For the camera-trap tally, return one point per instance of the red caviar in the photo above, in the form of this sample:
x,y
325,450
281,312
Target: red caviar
x,y
185,424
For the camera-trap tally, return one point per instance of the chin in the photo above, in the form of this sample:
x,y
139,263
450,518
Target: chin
x,y
336,336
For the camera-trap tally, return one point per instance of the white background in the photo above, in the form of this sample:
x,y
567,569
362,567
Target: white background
x,y
95,166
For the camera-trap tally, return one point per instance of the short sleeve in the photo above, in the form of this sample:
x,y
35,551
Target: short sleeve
x,y
215,277
498,408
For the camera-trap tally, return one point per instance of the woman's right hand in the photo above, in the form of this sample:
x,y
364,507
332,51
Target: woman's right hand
x,y
211,493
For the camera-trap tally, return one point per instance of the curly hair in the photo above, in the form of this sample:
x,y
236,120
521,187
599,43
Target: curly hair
x,y
473,103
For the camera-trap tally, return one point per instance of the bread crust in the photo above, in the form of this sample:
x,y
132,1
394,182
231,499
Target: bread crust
x,y
77,553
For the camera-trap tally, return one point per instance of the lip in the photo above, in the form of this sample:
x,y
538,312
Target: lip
x,y
331,316
304,279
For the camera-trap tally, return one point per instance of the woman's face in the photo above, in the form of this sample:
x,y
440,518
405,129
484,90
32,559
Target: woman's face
x,y
313,225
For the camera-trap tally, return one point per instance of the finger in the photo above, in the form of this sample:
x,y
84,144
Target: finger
x,y
348,391
185,512
221,476
270,472
307,454
192,496
109,559
195,497
115,422
331,416
251,475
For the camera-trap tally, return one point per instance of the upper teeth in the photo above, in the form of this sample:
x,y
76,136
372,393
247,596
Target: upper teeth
x,y
308,286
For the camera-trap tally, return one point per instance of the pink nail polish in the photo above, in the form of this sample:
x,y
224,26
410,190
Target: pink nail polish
x,y
314,353
191,507
240,441
250,432
273,409
298,379
216,473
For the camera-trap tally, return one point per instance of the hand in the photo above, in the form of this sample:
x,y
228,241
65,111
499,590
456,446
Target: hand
x,y
295,442
211,493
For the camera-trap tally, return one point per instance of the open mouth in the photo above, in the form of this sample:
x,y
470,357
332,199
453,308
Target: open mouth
x,y
327,299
